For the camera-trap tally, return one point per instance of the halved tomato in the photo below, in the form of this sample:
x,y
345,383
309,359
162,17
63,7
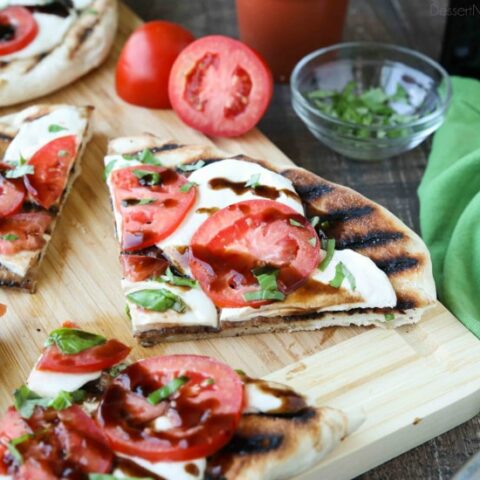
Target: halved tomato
x,y
137,268
23,231
208,408
19,28
90,360
12,194
220,86
151,202
250,235
51,165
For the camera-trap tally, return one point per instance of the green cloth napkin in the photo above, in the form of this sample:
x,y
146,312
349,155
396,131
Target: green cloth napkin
x,y
450,205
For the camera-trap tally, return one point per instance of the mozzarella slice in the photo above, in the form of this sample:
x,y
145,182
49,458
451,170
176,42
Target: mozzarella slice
x,y
19,263
237,171
51,31
35,134
50,384
200,309
190,470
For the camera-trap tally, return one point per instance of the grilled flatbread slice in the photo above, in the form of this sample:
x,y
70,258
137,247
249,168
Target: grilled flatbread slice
x,y
391,269
73,38
41,149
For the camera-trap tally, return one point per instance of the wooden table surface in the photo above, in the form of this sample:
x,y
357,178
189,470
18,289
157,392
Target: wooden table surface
x,y
393,183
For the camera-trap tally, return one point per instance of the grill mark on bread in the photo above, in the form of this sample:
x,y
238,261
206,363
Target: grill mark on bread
x,y
374,238
392,266
166,147
4,137
345,214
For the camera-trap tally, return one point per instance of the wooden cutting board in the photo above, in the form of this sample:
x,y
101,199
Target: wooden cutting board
x,y
413,383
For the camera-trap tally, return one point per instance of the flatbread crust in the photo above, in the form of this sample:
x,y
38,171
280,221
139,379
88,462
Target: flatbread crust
x,y
9,125
85,47
354,221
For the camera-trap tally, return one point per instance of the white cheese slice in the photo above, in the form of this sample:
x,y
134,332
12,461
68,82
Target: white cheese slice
x,y
166,470
35,134
20,262
51,31
50,384
371,283
200,309
258,400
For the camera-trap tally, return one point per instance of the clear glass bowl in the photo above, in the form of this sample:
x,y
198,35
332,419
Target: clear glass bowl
x,y
372,65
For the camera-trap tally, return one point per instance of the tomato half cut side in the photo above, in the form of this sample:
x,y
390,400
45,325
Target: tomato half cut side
x,y
208,408
12,195
90,360
151,203
19,29
52,164
250,235
220,86
137,268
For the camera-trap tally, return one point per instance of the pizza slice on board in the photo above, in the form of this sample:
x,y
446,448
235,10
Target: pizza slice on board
x,y
215,245
41,148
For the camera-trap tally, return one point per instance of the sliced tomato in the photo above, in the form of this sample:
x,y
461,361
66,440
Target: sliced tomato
x,y
19,29
12,194
89,360
52,164
23,231
137,268
145,225
12,425
209,412
250,235
220,86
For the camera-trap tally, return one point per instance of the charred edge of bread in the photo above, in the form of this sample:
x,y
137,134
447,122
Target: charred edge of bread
x,y
28,283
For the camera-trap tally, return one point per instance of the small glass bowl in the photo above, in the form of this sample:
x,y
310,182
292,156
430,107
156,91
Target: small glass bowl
x,y
372,65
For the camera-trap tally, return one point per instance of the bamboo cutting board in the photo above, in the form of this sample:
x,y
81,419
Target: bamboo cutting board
x,y
413,383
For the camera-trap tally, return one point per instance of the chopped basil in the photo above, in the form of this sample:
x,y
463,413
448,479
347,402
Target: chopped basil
x,y
312,241
294,222
329,246
253,181
127,156
131,202
21,168
170,277
167,390
240,372
25,401
314,221
67,399
127,312
208,381
324,225
342,272
187,186
62,153
157,300
116,370
267,279
145,156
147,178
190,167
389,316
10,237
55,128
12,447
108,169
72,341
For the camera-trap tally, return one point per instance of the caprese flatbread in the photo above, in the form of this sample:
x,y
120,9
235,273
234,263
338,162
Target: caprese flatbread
x,y
217,245
85,414
40,150
47,44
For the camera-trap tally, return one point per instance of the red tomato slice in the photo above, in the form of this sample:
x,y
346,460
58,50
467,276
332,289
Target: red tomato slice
x,y
51,165
250,235
220,86
145,225
21,27
208,413
137,268
26,232
12,425
146,60
90,360
12,194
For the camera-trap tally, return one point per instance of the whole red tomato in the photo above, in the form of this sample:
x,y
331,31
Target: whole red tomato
x,y
146,60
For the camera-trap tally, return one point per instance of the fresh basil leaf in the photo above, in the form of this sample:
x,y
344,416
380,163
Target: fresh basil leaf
x,y
10,237
62,153
55,128
314,221
208,381
240,372
187,186
108,169
267,279
128,157
148,158
342,272
253,181
12,447
127,311
389,316
294,223
116,370
66,399
167,390
157,300
131,202
71,341
329,246
190,167
170,277
25,401
147,177
312,241
20,170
